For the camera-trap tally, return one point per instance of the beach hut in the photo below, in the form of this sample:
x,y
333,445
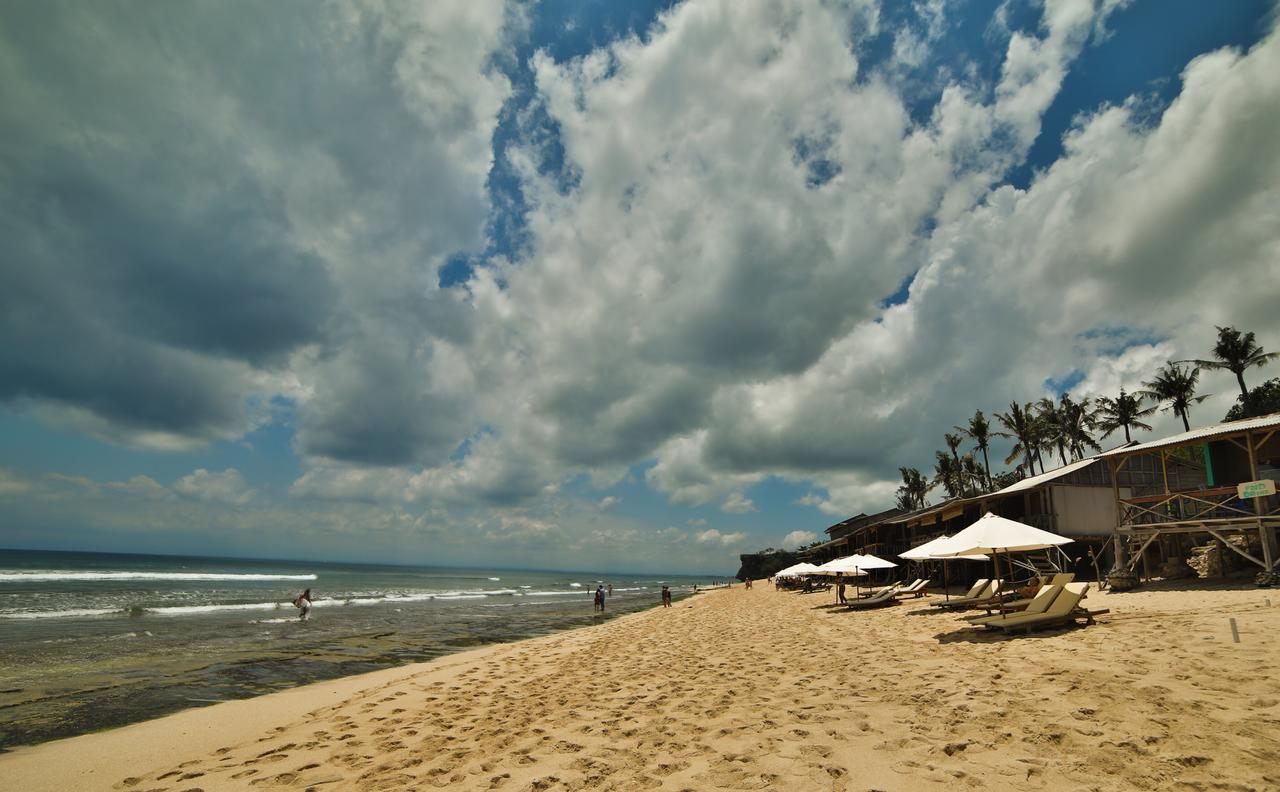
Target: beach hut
x,y
1216,483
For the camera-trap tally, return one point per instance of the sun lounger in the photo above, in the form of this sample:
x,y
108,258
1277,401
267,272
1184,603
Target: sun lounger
x,y
977,589
917,589
902,588
1064,609
1059,580
872,592
1037,604
987,595
886,597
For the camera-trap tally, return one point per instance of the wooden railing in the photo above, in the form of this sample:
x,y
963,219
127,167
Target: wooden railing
x,y
1214,505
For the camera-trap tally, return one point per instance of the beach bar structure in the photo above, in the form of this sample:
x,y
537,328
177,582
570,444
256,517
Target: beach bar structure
x,y
1217,481
1075,500
842,536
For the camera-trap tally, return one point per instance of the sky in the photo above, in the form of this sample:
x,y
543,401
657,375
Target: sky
x,y
603,284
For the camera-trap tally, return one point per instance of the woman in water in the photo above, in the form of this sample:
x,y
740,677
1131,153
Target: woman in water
x,y
303,602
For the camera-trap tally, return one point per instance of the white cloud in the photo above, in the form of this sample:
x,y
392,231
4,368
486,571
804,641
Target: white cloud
x,y
700,291
798,539
143,487
227,486
737,503
713,536
609,501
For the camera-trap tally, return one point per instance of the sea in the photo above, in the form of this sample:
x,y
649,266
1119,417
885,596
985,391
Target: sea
x,y
90,641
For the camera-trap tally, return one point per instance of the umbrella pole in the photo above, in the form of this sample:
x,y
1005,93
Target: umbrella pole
x,y
946,585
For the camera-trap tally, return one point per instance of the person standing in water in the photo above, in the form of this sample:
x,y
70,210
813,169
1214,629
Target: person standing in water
x,y
600,598
303,603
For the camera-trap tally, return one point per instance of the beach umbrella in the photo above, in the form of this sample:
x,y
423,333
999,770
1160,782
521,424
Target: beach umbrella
x,y
844,565
992,534
863,562
937,550
841,567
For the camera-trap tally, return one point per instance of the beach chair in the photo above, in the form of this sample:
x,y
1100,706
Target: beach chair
x,y
1061,579
1037,604
986,595
901,587
1064,609
917,589
977,589
886,597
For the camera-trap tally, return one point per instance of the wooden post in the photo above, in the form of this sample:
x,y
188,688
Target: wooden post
x,y
1115,491
1257,505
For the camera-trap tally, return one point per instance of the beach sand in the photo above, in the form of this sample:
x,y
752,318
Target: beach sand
x,y
758,689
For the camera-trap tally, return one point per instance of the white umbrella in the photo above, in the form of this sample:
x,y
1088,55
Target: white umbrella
x,y
844,566
935,549
992,534
796,570
872,562
938,549
864,562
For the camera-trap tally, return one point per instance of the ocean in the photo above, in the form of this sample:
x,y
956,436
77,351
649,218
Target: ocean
x,y
95,640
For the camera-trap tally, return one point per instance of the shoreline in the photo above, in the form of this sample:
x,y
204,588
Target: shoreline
x,y
751,689
202,729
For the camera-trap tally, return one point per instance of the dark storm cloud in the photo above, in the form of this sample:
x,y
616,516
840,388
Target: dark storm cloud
x,y
192,192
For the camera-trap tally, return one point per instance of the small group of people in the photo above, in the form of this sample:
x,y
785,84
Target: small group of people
x,y
600,597
666,596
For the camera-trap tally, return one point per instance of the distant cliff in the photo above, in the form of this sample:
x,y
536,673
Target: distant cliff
x,y
762,565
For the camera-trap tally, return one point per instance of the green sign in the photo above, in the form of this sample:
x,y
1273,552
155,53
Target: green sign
x,y
1256,489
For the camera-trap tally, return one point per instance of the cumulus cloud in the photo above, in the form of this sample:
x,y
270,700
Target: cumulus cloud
x,y
609,501
174,225
716,211
737,503
798,539
715,537
227,486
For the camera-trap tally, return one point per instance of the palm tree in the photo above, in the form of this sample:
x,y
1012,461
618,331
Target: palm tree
x,y
1020,423
953,442
1077,421
1236,352
1177,386
911,495
979,431
1123,411
1053,433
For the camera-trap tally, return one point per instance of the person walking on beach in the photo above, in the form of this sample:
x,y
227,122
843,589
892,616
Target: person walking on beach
x,y
840,587
303,603
666,597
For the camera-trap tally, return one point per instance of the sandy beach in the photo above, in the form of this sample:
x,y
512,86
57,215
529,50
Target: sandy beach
x,y
752,689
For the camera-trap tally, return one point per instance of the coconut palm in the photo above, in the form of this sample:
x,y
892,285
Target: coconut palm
x,y
1052,428
911,495
1177,386
1122,412
1236,352
953,442
1019,422
979,431
1077,421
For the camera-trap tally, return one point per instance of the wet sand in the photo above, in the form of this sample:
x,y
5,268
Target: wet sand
x,y
752,689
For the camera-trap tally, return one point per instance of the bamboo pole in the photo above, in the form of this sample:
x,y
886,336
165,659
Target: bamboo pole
x,y
1257,505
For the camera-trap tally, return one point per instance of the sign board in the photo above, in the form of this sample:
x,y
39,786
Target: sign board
x,y
1256,489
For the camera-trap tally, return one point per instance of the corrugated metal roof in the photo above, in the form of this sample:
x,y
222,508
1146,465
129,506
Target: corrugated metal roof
x,y
1044,478
1200,435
